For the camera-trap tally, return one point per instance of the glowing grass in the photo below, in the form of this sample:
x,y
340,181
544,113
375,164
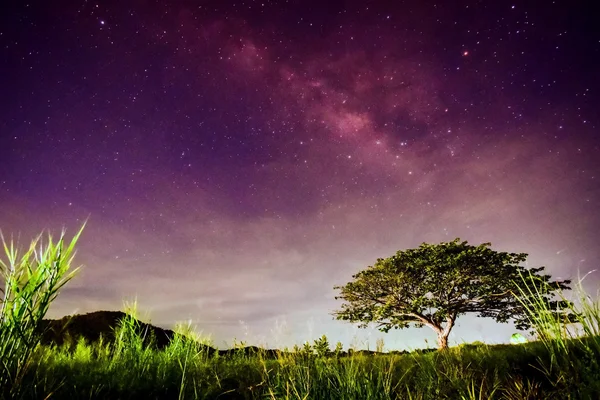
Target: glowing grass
x,y
31,283
182,371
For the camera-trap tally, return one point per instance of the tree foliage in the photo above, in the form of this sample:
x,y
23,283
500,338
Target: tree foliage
x,y
435,283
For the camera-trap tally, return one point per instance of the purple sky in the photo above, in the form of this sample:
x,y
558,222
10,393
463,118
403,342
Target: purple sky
x,y
238,161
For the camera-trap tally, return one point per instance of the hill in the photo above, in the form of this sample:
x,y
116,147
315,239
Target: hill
x,y
93,325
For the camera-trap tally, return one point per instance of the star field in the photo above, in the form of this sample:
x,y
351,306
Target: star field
x,y
236,160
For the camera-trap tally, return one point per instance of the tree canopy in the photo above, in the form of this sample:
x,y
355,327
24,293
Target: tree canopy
x,y
434,284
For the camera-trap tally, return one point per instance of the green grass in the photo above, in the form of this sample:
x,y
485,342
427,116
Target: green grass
x,y
31,282
184,370
561,365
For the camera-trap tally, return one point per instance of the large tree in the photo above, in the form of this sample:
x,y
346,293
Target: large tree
x,y
435,283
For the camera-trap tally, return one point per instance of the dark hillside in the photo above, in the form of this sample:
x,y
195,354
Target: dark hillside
x,y
95,324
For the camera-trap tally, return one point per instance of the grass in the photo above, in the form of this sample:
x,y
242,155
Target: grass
x,y
183,370
31,283
561,365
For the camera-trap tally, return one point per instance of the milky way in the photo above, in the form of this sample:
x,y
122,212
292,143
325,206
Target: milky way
x,y
236,161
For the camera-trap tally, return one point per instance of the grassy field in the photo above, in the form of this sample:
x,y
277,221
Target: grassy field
x,y
186,369
561,365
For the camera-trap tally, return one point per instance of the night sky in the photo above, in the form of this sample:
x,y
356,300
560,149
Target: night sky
x,y
238,159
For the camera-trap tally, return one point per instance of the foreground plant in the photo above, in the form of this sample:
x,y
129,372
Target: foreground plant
x,y
572,341
31,282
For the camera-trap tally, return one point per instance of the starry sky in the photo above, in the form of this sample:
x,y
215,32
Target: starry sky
x,y
237,159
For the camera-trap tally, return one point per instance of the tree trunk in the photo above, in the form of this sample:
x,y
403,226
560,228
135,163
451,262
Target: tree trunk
x,y
443,333
442,340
